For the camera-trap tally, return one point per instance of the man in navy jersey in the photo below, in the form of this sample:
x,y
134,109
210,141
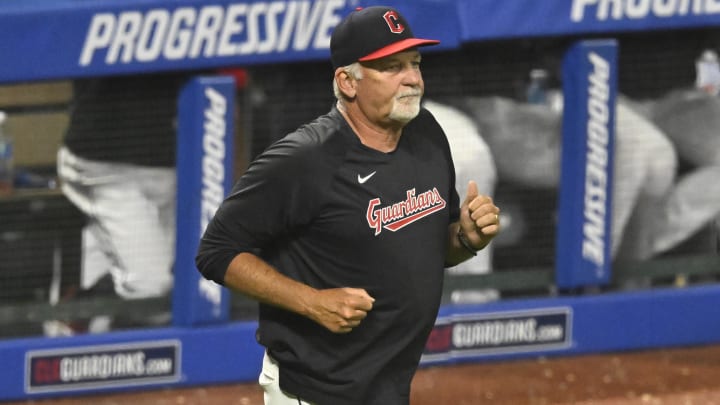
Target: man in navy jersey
x,y
341,230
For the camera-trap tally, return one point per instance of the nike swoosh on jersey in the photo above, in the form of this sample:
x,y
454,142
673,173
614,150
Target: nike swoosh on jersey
x,y
362,180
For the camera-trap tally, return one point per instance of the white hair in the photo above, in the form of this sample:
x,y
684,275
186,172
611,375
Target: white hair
x,y
354,71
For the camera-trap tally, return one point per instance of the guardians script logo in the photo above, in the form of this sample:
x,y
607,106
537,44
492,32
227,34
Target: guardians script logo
x,y
403,213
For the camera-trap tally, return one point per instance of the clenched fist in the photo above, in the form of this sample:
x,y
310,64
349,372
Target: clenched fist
x,y
340,309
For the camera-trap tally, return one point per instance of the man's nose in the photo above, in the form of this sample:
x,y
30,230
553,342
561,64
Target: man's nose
x,y
412,76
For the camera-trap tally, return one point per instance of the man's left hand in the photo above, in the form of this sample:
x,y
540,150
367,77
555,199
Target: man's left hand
x,y
479,217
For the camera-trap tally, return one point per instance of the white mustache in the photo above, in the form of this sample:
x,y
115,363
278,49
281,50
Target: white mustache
x,y
412,94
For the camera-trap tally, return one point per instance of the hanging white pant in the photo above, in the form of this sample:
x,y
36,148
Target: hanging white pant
x,y
130,231
473,160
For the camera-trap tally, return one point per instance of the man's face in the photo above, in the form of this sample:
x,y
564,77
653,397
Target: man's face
x,y
391,88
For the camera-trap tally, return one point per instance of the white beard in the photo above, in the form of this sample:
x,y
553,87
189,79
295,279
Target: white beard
x,y
405,109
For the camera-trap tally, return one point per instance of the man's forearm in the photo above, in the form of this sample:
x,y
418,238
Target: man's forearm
x,y
252,276
337,309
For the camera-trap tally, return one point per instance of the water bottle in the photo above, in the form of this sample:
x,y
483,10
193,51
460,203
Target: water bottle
x,y
536,92
7,174
707,72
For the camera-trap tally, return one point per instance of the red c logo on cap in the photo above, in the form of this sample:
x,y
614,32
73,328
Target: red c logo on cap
x,y
392,20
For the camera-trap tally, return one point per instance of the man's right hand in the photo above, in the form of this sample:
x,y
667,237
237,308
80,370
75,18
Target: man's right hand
x,y
340,310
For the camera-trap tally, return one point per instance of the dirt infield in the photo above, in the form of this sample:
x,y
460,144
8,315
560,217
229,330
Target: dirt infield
x,y
680,376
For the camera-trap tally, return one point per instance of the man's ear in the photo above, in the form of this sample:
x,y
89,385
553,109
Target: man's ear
x,y
346,83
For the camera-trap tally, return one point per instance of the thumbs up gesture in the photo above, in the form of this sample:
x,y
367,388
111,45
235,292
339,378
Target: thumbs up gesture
x,y
479,218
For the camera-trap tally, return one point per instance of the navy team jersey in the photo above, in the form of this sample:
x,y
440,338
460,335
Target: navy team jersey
x,y
324,209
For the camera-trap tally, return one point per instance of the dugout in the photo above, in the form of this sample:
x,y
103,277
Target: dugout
x,y
488,50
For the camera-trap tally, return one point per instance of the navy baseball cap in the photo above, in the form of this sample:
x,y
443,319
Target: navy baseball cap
x,y
372,33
